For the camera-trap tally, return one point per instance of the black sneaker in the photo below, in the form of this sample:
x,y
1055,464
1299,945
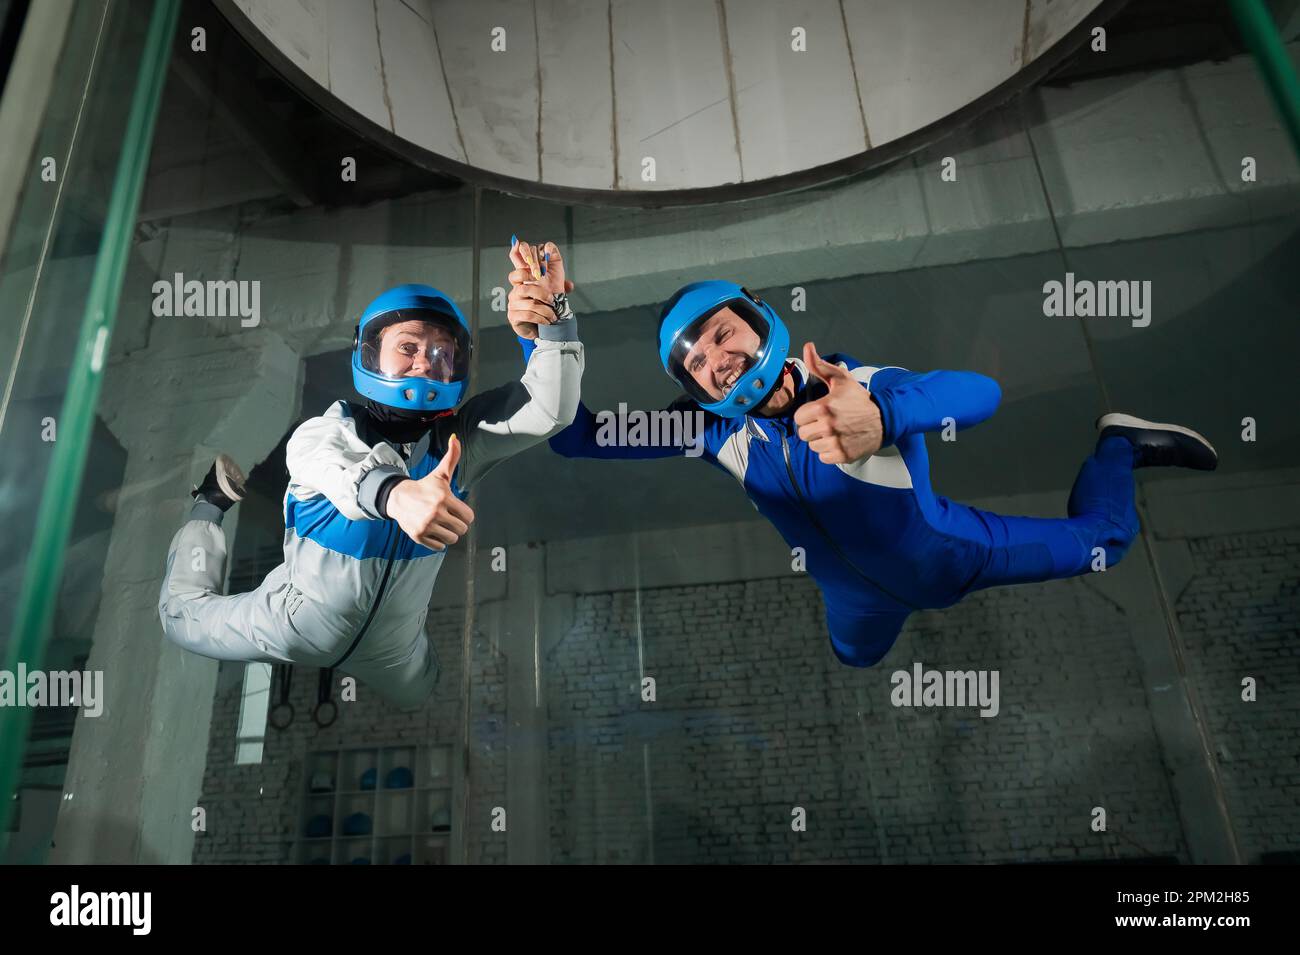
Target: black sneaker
x,y
224,484
1160,445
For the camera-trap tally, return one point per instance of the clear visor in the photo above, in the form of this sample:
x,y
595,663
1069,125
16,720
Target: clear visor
x,y
714,351
416,343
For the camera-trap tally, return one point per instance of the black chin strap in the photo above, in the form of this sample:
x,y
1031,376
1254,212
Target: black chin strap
x,y
399,424
810,391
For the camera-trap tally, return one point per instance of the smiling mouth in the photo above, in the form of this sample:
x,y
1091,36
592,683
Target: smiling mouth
x,y
730,381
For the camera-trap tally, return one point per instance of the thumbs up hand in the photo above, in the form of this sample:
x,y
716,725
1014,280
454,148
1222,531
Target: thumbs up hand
x,y
427,510
845,424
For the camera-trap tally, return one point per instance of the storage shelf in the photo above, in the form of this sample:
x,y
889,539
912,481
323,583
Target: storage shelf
x,y
408,810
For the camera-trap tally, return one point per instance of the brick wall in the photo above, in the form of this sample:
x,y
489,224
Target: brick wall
x,y
252,810
754,717
1240,617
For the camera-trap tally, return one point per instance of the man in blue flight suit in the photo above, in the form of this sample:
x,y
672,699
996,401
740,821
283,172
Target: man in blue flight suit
x,y
832,452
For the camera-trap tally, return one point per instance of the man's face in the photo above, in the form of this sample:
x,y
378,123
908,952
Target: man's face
x,y
722,352
417,349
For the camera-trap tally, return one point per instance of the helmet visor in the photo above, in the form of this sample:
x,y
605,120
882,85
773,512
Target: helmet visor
x,y
416,343
710,355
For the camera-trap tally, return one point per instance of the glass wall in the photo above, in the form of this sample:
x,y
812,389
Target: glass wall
x,y
77,113
635,666
691,708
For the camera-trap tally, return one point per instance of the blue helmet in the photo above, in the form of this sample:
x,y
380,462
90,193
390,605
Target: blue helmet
x,y
399,777
447,380
760,344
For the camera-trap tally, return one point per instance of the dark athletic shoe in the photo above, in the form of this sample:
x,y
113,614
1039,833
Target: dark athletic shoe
x,y
224,484
1160,445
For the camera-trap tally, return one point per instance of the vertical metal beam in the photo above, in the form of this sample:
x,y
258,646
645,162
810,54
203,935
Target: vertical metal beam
x,y
521,626
26,95
471,561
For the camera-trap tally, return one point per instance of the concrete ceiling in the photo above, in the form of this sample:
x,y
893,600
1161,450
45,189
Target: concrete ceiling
x,y
579,98
238,127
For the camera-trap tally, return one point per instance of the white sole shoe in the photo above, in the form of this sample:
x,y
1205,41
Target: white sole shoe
x,y
223,485
1160,445
230,477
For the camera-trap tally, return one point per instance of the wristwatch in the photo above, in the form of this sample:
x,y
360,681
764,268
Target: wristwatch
x,y
560,304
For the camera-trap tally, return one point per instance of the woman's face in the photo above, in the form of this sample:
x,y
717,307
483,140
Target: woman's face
x,y
417,349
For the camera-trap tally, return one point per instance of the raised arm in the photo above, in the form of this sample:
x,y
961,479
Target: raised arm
x,y
914,402
513,417
506,420
596,436
588,435
865,408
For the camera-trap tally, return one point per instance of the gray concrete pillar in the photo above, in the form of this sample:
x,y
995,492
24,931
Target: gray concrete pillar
x,y
520,637
135,772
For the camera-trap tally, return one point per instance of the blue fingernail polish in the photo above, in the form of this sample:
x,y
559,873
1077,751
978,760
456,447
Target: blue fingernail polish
x,y
514,240
546,258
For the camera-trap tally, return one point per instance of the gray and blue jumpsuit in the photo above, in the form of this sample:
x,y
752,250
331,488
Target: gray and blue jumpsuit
x,y
353,590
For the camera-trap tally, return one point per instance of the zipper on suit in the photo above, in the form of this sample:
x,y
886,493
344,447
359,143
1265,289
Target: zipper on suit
x,y
374,606
812,519
388,569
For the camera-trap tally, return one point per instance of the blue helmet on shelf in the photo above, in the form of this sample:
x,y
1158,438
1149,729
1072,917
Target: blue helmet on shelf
x,y
441,378
723,345
399,777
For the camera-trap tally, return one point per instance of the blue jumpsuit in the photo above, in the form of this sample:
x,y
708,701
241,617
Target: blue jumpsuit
x,y
877,539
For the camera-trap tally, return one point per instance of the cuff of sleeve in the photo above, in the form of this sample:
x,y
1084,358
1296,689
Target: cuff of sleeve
x,y
378,481
888,436
381,499
565,331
